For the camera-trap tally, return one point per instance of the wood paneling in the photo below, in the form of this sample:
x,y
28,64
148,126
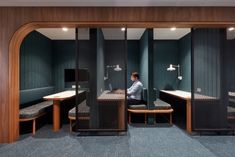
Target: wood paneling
x,y
17,22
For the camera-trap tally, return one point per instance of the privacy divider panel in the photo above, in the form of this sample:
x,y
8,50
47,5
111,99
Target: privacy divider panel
x,y
230,80
185,62
146,67
91,64
100,62
144,58
105,112
208,94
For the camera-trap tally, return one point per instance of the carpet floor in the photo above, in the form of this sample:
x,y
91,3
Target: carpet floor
x,y
138,142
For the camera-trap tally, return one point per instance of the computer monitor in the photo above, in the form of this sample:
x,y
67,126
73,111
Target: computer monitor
x,y
69,75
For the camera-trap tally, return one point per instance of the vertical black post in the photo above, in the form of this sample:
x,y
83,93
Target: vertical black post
x,y
76,77
125,63
151,94
192,77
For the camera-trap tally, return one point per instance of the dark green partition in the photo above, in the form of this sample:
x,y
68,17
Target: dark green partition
x,y
208,86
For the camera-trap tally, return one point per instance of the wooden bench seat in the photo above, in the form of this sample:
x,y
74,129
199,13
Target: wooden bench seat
x,y
33,112
160,107
83,113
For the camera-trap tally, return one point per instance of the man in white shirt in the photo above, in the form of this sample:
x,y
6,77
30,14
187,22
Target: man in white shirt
x,y
134,92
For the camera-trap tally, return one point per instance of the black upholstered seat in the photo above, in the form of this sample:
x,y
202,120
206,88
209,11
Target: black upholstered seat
x,y
142,106
138,107
83,110
161,105
35,110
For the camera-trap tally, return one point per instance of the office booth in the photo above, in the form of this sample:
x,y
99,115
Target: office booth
x,y
212,81
172,72
191,69
105,63
77,71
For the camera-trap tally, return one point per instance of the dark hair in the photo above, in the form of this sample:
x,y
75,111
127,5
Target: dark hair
x,y
135,74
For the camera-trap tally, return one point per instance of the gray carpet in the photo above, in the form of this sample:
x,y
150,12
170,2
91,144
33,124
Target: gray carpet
x,y
139,142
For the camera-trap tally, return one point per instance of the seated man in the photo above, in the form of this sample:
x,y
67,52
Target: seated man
x,y
134,92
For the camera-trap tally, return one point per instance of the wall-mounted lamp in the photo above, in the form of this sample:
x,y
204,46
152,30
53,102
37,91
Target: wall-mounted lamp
x,y
173,68
115,68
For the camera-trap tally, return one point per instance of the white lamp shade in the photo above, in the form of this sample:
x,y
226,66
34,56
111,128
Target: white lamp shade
x,y
171,68
117,68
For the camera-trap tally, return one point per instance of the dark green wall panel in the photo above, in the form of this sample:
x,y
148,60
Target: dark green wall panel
x,y
63,58
133,60
166,52
114,54
144,59
185,62
100,62
36,62
175,52
230,64
207,47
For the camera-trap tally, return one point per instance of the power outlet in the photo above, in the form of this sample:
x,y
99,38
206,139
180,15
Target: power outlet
x,y
74,86
199,90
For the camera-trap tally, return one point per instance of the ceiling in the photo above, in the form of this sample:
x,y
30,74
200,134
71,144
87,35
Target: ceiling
x,y
167,34
114,33
117,34
117,2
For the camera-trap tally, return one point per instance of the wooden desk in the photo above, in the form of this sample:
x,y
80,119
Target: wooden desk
x,y
56,105
187,97
115,99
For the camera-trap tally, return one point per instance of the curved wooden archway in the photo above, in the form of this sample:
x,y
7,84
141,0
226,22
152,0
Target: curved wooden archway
x,y
20,34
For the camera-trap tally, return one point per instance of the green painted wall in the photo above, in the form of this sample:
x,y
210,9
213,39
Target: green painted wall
x,y
36,62
166,52
175,52
133,63
63,58
115,54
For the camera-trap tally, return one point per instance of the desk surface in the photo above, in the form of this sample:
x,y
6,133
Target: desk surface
x,y
232,94
106,96
187,95
62,95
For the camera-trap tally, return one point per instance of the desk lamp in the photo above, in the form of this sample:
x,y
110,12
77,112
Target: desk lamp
x,y
173,68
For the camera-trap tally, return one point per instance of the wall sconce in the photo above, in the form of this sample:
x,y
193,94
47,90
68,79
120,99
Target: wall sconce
x,y
115,68
173,68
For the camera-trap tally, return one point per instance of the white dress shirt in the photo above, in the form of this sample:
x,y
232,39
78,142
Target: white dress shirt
x,y
134,92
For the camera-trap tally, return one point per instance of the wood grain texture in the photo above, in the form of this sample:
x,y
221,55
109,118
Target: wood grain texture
x,y
17,22
56,115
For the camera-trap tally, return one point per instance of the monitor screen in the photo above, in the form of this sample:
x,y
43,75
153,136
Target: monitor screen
x,y
69,75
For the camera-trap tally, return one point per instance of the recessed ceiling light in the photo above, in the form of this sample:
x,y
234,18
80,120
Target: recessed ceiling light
x,y
65,29
123,29
173,29
231,28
